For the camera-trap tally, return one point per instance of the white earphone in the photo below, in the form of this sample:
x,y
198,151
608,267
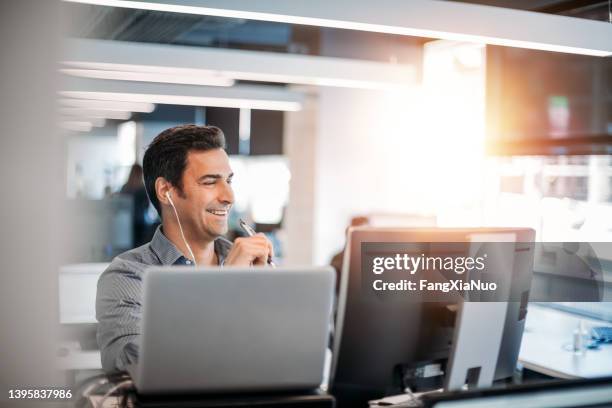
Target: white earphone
x,y
181,228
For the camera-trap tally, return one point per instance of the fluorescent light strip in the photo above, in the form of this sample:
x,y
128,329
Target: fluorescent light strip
x,y
350,25
92,113
144,107
153,69
106,67
82,125
76,126
173,78
187,100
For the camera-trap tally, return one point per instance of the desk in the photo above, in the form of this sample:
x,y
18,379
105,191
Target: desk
x,y
542,350
547,332
80,360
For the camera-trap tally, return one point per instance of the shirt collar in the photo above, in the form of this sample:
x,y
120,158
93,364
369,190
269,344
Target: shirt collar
x,y
165,250
169,254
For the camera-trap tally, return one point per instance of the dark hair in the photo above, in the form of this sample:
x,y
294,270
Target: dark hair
x,y
166,156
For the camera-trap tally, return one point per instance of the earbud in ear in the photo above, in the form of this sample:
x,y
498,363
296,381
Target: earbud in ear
x,y
169,198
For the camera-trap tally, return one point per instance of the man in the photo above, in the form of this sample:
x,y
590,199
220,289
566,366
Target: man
x,y
188,180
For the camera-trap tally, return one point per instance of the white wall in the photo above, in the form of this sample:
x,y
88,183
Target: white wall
x,y
300,138
346,151
359,162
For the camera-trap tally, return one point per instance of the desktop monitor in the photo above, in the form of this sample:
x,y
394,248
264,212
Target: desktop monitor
x,y
385,342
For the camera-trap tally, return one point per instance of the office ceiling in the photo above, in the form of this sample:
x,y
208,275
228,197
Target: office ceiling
x,y
589,9
121,24
92,21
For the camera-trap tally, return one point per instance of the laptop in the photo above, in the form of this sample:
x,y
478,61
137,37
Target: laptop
x,y
220,330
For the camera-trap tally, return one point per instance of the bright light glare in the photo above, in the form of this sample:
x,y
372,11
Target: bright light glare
x,y
261,186
440,151
455,112
469,55
270,199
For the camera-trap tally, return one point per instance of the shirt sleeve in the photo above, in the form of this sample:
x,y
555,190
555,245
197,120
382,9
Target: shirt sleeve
x,y
118,311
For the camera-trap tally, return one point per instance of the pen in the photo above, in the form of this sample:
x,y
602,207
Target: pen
x,y
250,232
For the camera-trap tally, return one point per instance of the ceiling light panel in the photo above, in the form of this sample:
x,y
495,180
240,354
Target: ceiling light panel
x,y
423,18
250,97
161,77
237,64
143,107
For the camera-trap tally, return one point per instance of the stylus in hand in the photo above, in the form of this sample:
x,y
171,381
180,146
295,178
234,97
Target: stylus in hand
x,y
250,232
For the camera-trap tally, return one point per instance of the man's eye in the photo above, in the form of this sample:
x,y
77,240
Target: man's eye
x,y
229,181
209,183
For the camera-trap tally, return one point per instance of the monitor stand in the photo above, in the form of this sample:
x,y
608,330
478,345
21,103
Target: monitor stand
x,y
478,338
473,358
480,324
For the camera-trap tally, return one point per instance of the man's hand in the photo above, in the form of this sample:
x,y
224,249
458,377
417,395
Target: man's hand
x,y
249,251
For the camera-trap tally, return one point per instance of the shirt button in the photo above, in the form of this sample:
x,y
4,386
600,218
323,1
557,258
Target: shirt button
x,y
188,262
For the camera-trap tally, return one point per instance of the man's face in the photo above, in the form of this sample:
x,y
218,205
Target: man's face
x,y
207,194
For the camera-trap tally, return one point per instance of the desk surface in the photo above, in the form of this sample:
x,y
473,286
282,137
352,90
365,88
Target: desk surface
x,y
548,333
80,360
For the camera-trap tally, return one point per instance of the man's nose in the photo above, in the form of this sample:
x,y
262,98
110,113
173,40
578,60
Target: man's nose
x,y
226,195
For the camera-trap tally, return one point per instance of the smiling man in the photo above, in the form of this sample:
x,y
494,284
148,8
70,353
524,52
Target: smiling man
x,y
188,179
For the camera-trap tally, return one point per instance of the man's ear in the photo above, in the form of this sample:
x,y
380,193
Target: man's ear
x,y
162,188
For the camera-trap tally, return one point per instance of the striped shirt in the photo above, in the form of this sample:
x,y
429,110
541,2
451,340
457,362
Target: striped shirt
x,y
119,297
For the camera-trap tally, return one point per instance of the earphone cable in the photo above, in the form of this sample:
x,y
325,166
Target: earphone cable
x,y
181,229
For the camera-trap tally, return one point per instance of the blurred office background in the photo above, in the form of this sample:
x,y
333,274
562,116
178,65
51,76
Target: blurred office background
x,y
323,125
